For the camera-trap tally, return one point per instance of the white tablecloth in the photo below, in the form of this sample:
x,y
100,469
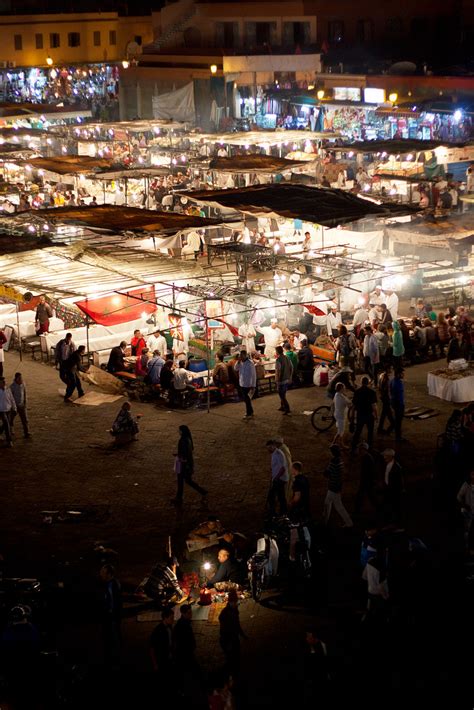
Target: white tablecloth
x,y
451,390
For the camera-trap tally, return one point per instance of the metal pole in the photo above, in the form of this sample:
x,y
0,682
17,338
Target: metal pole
x,y
87,330
18,326
208,355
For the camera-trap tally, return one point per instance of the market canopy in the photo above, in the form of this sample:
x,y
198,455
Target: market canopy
x,y
312,204
69,164
133,173
254,163
398,146
121,218
248,138
120,307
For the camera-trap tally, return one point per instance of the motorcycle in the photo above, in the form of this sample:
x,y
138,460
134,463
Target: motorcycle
x,y
263,564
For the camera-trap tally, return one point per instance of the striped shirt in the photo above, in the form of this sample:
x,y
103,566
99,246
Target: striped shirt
x,y
334,474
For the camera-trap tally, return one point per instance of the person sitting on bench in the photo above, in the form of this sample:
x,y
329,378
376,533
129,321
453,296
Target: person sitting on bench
x,y
116,361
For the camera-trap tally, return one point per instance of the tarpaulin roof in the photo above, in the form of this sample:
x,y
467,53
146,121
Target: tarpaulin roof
x,y
121,218
69,164
254,163
119,308
138,125
244,138
7,132
134,173
398,146
311,204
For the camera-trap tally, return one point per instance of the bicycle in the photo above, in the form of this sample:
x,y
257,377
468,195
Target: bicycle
x,y
322,418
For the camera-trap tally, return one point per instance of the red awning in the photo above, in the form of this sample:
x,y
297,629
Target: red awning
x,y
120,307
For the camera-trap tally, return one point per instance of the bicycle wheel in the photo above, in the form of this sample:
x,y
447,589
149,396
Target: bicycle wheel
x,y
322,419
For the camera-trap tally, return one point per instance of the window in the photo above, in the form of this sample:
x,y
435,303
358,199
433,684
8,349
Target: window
x,y
112,37
39,41
336,30
138,40
18,41
394,26
365,31
54,40
97,39
74,39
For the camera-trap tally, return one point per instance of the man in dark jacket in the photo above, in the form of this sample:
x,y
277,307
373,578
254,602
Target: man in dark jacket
x,y
161,646
73,366
228,570
183,637
306,363
111,614
116,361
367,476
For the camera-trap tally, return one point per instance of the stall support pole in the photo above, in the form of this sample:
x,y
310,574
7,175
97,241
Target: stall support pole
x,y
18,328
208,356
126,192
87,331
322,237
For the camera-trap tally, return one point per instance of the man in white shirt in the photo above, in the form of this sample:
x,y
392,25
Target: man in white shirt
x,y
247,380
391,301
247,333
156,341
181,382
7,407
279,479
222,152
273,337
334,320
377,297
361,315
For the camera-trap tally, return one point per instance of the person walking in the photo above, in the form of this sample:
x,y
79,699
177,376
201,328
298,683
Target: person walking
x,y
184,648
334,474
316,672
283,377
7,410
247,381
397,400
306,363
184,466
393,486
43,313
230,633
64,349
18,391
3,340
398,347
371,353
465,498
364,404
341,405
384,392
367,478
161,651
279,469
111,615
73,366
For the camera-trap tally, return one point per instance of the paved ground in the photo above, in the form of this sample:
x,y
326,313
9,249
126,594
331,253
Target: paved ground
x,y
68,461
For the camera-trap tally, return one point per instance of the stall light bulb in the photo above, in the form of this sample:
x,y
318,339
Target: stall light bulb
x,y
46,228
183,158
207,566
174,161
318,269
64,149
31,228
361,300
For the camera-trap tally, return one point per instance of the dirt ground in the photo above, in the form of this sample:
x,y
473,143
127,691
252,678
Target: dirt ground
x,y
69,462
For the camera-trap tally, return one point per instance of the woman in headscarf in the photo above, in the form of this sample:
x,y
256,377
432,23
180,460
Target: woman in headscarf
x,y
184,465
125,426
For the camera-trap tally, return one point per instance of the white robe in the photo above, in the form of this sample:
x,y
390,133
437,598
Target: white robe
x,y
247,333
273,337
392,305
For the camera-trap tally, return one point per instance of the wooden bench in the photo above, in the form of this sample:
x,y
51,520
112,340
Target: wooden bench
x,y
202,394
267,384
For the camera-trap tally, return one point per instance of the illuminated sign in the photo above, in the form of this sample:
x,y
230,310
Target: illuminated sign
x,y
374,96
